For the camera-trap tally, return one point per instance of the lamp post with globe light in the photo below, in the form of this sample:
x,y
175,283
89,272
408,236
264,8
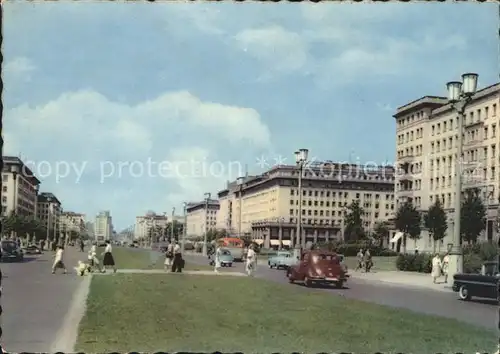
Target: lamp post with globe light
x,y
459,96
301,161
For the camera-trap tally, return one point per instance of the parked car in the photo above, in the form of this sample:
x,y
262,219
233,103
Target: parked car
x,y
318,267
282,259
32,249
11,252
478,285
226,258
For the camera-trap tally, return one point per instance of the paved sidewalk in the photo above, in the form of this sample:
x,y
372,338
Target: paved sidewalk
x,y
159,271
404,279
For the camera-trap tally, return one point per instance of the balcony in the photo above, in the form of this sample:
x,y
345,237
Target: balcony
x,y
406,158
474,165
406,177
473,144
405,193
473,182
469,124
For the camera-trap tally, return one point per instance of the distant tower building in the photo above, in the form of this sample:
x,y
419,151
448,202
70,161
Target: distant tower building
x,y
103,227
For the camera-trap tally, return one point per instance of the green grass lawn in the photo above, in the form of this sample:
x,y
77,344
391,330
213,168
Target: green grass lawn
x,y
379,263
215,313
130,258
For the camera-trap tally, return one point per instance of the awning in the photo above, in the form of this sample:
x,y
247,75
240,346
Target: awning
x,y
286,242
396,237
275,242
259,242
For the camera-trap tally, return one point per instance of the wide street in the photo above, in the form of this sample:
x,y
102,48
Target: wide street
x,y
35,302
419,300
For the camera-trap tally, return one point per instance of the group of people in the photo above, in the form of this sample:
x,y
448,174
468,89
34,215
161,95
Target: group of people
x,y
365,260
440,267
93,261
173,258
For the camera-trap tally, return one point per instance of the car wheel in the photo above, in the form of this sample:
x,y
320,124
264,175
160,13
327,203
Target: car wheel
x,y
339,284
270,266
230,264
463,293
307,282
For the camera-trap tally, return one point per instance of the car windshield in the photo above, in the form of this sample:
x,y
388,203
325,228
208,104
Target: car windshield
x,y
226,253
325,257
9,245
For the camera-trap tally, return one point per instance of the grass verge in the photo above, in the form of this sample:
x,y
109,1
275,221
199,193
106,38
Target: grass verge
x,y
134,258
214,313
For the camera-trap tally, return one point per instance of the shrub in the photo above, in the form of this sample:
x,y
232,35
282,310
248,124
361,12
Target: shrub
x,y
351,250
421,262
472,263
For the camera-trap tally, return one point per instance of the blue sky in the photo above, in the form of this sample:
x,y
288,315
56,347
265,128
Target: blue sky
x,y
95,92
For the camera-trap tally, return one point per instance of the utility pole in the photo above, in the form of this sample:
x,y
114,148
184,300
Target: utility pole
x,y
207,199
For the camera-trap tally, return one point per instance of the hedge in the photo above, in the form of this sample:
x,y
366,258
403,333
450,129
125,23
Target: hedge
x,y
352,249
474,256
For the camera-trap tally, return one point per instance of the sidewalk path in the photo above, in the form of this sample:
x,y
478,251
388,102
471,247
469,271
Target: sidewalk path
x,y
160,271
35,302
404,279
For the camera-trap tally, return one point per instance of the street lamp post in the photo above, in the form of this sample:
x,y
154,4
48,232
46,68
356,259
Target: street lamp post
x,y
49,221
207,199
184,228
239,181
301,161
15,172
172,225
459,95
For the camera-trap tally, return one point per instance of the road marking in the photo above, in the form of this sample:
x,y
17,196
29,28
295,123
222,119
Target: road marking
x,y
68,333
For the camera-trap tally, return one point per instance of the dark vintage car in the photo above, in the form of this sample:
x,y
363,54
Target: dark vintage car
x,y
32,249
318,267
11,252
483,284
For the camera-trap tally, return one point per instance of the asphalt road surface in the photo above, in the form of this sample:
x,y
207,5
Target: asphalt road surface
x,y
425,301
35,302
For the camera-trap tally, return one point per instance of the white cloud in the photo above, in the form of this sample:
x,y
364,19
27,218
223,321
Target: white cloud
x,y
176,127
277,48
18,70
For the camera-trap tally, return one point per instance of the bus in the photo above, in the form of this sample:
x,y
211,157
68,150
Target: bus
x,y
236,246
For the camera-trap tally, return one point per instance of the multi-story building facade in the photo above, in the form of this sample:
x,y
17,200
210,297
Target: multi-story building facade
x,y
270,202
103,226
151,221
49,212
426,153
19,188
201,217
72,222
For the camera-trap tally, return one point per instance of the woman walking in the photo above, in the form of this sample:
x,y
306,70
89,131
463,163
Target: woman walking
x,y
169,256
218,254
251,261
108,260
445,265
436,268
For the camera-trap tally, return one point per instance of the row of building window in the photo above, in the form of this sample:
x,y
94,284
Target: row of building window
x,y
345,195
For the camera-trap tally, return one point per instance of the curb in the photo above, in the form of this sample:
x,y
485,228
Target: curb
x,y
158,271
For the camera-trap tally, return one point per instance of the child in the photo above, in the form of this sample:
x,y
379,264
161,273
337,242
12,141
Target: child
x,y
58,261
82,269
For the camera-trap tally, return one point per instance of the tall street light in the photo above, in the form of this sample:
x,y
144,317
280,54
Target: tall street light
x,y
172,225
301,161
207,199
184,227
15,172
459,95
239,181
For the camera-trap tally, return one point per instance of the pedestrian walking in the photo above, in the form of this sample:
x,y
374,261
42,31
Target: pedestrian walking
x,y
58,260
445,265
177,262
42,245
368,261
82,245
108,260
436,268
251,261
360,257
217,255
169,257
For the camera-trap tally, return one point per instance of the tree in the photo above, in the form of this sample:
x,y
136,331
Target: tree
x,y
380,232
436,222
353,222
472,216
408,222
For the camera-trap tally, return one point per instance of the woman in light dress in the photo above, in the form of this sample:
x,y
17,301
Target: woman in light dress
x,y
169,256
218,254
251,261
436,268
445,265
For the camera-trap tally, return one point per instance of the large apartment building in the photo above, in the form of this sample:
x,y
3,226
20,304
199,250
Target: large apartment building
x,y
19,188
145,223
426,152
103,226
270,202
49,212
201,217
72,222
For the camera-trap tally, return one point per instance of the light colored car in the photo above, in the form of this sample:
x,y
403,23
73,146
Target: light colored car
x,y
226,258
282,259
